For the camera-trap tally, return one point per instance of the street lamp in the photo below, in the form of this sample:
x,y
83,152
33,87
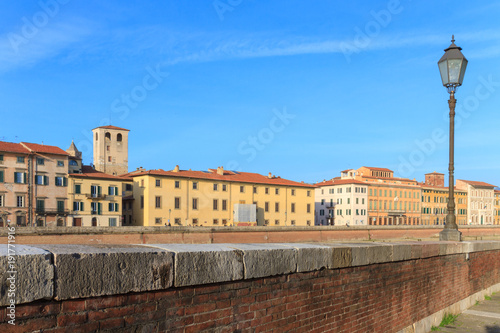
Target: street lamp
x,y
452,67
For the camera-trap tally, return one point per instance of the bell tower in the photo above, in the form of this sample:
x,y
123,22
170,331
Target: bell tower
x,y
111,149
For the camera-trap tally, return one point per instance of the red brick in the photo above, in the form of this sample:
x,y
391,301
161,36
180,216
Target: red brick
x,y
111,323
72,319
73,306
37,310
111,313
105,302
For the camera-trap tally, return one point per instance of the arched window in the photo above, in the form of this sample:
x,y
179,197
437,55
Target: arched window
x,y
96,137
73,162
107,136
119,137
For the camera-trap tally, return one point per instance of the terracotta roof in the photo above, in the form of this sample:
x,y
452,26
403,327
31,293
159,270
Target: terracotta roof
x,y
347,170
379,169
45,149
474,183
445,188
391,178
434,173
240,177
90,172
12,147
113,127
336,181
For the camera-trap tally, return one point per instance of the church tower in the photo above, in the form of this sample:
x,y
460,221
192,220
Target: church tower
x,y
111,149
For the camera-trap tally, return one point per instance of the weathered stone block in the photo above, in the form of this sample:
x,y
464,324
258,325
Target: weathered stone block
x,y
312,257
31,276
401,252
379,253
87,271
262,260
205,263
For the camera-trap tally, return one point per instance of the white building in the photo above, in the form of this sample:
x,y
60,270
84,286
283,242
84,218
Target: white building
x,y
341,201
480,203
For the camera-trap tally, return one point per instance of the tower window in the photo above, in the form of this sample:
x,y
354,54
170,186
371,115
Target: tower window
x,y
107,136
119,137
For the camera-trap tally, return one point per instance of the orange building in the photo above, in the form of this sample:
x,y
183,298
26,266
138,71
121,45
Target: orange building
x,y
391,200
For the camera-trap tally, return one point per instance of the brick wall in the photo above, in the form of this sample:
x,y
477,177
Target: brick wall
x,y
384,297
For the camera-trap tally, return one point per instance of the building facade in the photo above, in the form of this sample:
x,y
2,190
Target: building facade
x,y
33,184
96,198
391,200
214,197
341,201
497,207
480,203
435,201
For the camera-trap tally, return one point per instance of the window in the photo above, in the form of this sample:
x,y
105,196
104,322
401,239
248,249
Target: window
x,y
95,191
266,222
293,207
19,178
177,221
20,201
128,187
224,221
39,179
112,221
308,208
1,158
224,188
158,182
158,220
216,187
78,206
224,204
20,159
1,176
277,191
195,221
293,222
177,203
266,207
119,137
40,205
254,189
157,202
40,161
293,191
73,163
216,221
78,188
61,181
195,185
142,201
242,189
195,203
276,222
321,212
266,190
216,204
309,193
177,184
113,207
60,206
113,190
277,207
1,201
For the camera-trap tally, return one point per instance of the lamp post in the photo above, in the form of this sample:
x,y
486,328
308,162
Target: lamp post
x,y
452,67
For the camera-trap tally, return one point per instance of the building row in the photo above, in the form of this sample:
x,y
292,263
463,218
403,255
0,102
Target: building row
x,y
42,185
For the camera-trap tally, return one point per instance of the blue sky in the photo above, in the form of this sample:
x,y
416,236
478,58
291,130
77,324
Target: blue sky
x,y
297,88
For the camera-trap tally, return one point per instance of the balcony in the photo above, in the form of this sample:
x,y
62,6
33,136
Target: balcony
x,y
396,212
95,196
44,211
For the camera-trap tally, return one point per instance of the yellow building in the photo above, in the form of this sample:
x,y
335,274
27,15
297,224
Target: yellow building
x,y
95,198
219,197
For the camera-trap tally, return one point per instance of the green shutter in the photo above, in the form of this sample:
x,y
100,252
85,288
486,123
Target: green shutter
x,y
81,206
65,181
99,207
25,178
78,189
116,207
45,180
1,176
99,191
110,206
116,190
110,189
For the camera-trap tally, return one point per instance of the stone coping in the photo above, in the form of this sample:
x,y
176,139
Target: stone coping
x,y
63,272
183,229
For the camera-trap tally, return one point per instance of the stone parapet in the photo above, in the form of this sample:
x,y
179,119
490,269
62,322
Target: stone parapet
x,y
63,272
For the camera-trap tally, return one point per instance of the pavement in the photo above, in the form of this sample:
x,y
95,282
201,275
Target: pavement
x,y
482,317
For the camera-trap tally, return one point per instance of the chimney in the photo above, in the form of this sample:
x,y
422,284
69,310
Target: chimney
x,y
220,171
176,169
270,176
